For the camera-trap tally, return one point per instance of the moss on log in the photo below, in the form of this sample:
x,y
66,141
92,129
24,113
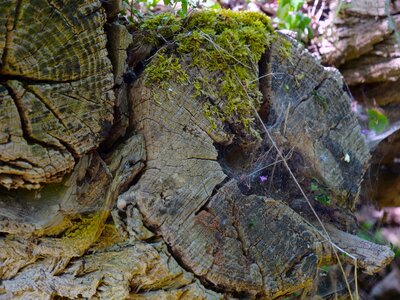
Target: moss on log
x,y
192,202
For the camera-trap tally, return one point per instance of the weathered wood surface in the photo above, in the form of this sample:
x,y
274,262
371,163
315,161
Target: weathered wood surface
x,y
315,119
197,221
192,192
56,88
363,39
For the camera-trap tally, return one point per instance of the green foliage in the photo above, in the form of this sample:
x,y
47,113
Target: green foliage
x,y
159,28
369,232
290,17
395,249
252,223
320,194
325,268
184,6
134,8
377,121
130,10
323,199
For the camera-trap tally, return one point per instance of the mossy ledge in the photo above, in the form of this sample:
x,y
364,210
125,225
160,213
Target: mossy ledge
x,y
226,43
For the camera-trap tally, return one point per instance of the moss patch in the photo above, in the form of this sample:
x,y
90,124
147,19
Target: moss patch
x,y
78,231
158,28
225,45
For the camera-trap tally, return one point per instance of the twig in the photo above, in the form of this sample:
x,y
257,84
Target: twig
x,y
269,74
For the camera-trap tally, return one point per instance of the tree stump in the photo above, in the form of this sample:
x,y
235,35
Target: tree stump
x,y
196,199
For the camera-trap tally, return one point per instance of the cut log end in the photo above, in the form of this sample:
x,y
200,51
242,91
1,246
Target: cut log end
x,y
56,88
219,234
211,203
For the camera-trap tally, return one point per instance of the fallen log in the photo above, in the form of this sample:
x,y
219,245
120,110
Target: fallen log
x,y
227,145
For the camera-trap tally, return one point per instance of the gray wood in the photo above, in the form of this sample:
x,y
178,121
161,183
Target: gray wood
x,y
172,205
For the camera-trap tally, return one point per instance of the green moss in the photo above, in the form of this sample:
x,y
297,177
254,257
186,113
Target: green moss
x,y
165,68
285,50
159,28
226,46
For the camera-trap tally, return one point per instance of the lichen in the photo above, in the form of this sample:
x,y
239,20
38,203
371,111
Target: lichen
x,y
221,47
85,227
78,231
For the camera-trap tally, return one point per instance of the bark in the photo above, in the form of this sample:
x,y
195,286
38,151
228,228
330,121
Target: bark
x,y
186,197
364,41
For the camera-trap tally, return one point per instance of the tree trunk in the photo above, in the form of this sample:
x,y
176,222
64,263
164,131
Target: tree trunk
x,y
199,159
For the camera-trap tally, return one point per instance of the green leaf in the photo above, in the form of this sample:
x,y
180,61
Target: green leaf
x,y
377,121
215,6
314,187
282,12
323,199
325,268
297,4
184,6
367,225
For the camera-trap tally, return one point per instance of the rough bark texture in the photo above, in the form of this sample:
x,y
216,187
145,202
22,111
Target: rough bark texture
x,y
174,204
364,41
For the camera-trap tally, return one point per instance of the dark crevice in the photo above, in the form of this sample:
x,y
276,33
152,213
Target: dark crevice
x,y
31,80
202,158
24,121
54,113
138,291
154,239
138,175
236,226
19,159
206,283
62,16
292,268
178,259
9,33
204,207
47,105
346,89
